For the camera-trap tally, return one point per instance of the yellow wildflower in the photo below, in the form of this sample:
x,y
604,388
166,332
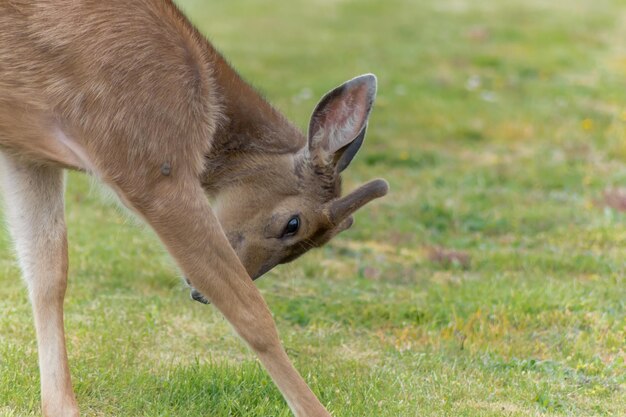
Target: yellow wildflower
x,y
587,124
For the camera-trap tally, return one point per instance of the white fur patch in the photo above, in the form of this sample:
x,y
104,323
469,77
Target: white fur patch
x,y
75,151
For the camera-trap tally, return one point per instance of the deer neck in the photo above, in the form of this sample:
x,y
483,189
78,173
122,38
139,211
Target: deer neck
x,y
251,129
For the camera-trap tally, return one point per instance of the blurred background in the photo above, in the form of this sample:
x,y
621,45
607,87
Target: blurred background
x,y
489,282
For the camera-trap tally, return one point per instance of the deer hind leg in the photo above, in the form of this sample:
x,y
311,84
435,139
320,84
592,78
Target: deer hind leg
x,y
35,214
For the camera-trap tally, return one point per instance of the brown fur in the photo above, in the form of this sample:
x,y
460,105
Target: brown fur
x,y
130,92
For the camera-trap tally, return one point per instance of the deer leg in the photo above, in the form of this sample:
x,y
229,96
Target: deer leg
x,y
181,216
35,214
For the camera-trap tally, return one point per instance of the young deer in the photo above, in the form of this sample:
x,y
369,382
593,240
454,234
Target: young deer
x,y
130,92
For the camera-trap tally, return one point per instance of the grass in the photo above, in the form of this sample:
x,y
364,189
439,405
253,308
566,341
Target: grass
x,y
490,281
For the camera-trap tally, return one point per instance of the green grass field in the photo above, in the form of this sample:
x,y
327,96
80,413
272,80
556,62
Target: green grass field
x,y
490,282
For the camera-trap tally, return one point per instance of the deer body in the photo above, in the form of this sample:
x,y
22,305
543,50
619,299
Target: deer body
x,y
130,92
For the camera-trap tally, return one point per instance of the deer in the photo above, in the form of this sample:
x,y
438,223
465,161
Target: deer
x,y
130,93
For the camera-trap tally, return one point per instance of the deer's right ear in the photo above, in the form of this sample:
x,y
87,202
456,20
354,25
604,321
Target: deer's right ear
x,y
338,124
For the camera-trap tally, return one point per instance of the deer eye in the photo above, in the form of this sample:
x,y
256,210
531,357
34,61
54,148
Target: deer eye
x,y
292,227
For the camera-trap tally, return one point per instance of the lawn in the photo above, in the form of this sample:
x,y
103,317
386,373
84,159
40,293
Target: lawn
x,y
489,282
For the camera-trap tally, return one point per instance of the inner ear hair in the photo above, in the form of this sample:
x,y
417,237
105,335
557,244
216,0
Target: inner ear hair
x,y
344,156
340,118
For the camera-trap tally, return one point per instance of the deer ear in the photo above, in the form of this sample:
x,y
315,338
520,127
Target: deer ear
x,y
338,124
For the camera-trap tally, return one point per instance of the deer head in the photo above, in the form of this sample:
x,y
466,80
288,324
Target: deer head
x,y
288,203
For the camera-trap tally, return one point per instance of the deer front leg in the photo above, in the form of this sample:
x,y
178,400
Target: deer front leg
x,y
181,216
35,214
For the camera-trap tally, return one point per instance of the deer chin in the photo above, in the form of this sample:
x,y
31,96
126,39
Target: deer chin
x,y
264,269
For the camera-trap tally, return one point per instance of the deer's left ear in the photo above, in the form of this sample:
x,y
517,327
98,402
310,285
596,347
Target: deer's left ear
x,y
339,121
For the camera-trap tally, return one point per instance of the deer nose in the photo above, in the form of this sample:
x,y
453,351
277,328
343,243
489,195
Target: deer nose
x,y
197,296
